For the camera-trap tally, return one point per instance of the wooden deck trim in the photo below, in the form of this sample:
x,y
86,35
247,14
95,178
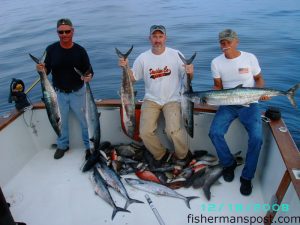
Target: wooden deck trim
x,y
117,103
288,150
5,121
282,189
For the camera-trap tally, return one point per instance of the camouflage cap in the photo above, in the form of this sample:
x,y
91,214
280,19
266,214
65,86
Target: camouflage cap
x,y
64,21
161,28
228,34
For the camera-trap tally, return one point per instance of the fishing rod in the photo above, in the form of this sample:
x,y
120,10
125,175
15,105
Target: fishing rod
x,y
17,91
33,85
157,215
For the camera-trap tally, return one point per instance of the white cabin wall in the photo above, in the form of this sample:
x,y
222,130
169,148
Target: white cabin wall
x,y
42,132
201,140
110,123
17,148
46,136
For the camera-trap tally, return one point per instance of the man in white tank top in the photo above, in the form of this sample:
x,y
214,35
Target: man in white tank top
x,y
229,70
162,71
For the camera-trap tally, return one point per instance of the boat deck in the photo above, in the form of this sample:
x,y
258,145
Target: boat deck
x,y
44,191
66,196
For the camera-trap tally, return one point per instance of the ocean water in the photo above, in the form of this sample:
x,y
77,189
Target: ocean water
x,y
269,29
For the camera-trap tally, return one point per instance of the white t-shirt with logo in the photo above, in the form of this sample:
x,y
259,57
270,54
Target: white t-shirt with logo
x,y
233,72
162,75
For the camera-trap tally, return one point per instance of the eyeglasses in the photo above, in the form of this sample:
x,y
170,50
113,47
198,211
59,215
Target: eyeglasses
x,y
64,31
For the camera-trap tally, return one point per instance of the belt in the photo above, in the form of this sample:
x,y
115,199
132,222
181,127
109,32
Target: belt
x,y
66,91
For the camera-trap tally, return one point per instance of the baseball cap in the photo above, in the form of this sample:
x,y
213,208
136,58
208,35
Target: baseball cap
x,y
161,28
228,34
64,21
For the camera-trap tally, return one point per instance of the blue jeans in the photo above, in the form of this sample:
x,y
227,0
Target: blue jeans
x,y
75,101
250,118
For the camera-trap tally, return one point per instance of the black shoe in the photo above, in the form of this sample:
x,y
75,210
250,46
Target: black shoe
x,y
185,161
246,187
165,159
228,172
59,153
87,154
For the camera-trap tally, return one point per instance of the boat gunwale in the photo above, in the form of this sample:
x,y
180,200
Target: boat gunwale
x,y
286,145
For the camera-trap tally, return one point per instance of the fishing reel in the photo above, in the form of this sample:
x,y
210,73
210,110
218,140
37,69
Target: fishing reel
x,y
18,95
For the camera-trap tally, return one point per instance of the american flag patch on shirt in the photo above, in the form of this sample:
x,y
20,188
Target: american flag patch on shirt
x,y
243,70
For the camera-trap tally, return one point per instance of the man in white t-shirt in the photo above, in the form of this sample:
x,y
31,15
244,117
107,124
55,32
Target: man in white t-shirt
x,y
162,71
229,70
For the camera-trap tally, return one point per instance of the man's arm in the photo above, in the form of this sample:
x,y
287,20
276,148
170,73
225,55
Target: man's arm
x,y
260,83
218,84
259,80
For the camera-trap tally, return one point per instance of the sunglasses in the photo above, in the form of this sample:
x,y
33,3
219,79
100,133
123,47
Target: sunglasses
x,y
154,27
64,31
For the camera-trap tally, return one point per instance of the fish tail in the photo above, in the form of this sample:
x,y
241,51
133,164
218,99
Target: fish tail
x,y
122,55
187,61
188,199
130,201
35,59
207,192
38,61
188,97
291,94
118,209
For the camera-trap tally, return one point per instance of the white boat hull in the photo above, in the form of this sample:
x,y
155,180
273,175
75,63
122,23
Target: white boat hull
x,y
45,191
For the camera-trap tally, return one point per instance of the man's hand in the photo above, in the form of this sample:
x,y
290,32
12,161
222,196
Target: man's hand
x,y
123,62
264,98
41,67
189,69
87,78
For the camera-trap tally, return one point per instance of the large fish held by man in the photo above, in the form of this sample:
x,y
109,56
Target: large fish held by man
x,y
239,95
92,111
49,97
127,98
187,106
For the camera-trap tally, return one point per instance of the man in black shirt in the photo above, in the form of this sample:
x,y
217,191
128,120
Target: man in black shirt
x,y
61,59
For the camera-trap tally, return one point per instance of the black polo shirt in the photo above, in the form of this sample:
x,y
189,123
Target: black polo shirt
x,y
61,62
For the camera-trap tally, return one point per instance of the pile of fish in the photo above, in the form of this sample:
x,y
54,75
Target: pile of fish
x,y
104,177
113,161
